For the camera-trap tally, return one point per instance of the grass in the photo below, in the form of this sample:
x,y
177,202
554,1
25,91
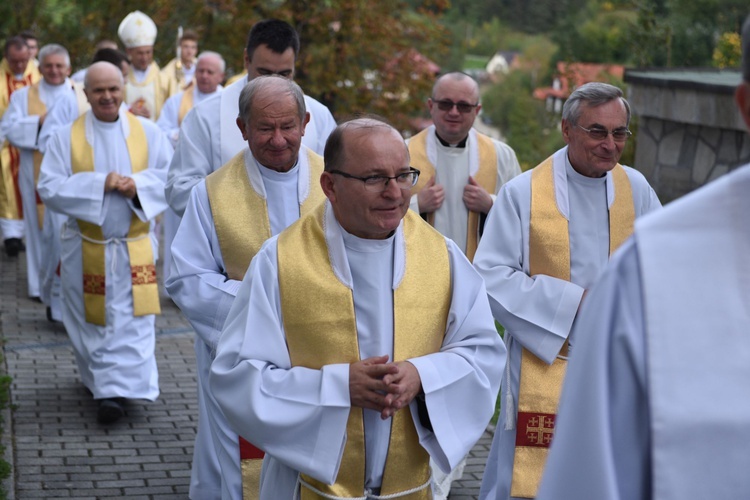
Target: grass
x,y
475,62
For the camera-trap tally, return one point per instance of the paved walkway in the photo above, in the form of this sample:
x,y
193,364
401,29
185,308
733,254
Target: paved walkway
x,y
52,439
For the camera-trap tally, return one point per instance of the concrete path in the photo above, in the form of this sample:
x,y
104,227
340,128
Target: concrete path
x,y
53,442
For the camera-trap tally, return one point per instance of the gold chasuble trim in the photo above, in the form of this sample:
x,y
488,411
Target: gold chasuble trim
x,y
486,176
540,384
186,103
318,336
242,225
93,246
37,108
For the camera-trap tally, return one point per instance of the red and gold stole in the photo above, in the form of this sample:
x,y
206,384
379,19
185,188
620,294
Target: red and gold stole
x,y
242,225
486,176
549,254
318,336
142,268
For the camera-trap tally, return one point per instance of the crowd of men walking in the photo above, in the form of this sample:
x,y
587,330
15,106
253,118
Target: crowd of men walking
x,y
343,283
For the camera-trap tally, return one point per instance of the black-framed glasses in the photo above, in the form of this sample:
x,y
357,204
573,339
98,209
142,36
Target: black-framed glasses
x,y
379,183
599,134
447,105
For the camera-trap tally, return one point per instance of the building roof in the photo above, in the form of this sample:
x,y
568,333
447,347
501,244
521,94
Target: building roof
x,y
572,75
703,79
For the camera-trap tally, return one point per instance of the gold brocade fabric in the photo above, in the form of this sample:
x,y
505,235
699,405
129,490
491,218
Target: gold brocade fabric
x,y
140,252
486,177
540,384
38,108
186,103
10,158
318,336
242,225
152,86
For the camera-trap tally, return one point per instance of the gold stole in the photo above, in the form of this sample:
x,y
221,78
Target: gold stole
x,y
38,108
242,227
154,80
486,177
142,268
10,158
318,336
186,103
549,254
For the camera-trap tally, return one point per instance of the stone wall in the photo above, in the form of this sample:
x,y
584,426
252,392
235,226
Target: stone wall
x,y
689,129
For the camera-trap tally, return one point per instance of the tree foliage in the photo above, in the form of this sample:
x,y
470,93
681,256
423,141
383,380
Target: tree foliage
x,y
357,56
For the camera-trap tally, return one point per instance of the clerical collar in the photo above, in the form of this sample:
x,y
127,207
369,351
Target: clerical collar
x,y
461,144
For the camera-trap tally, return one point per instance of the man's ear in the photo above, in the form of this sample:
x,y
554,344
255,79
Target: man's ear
x,y
327,185
742,97
242,127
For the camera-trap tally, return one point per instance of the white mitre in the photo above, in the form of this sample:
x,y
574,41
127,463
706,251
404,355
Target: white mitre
x,y
137,30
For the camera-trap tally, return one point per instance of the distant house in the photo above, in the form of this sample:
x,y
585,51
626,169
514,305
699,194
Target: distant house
x,y
571,76
502,62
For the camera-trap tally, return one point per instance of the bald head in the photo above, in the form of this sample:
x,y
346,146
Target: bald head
x,y
103,86
460,79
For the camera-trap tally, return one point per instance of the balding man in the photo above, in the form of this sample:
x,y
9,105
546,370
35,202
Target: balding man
x,y
462,169
106,172
21,124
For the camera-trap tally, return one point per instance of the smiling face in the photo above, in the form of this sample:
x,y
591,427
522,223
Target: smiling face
x,y
274,130
370,150
103,88
54,69
591,157
452,125
208,74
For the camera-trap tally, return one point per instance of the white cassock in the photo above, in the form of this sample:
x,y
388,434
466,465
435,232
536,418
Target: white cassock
x,y
453,166
22,129
116,360
169,122
209,138
289,412
654,402
198,285
538,312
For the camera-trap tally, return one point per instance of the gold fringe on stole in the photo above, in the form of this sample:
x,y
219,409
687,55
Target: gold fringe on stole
x,y
317,336
242,228
486,176
38,108
540,384
143,271
186,103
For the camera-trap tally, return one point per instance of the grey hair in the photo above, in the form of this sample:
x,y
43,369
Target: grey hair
x,y
208,53
457,76
591,94
283,85
746,50
334,153
53,49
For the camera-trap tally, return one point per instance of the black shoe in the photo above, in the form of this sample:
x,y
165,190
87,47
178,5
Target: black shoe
x,y
110,410
13,246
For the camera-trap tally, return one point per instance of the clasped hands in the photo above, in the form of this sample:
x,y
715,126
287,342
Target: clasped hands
x,y
123,185
385,387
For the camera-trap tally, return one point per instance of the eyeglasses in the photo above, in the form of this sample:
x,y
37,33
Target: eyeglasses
x,y
379,183
447,105
599,134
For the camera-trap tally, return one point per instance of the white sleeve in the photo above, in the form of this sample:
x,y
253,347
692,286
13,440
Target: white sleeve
x,y
169,116
18,127
461,381
150,182
537,311
297,415
63,112
603,418
197,281
507,164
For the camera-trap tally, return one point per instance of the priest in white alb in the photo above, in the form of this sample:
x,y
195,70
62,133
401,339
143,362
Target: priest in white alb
x,y
260,192
21,124
106,172
360,343
209,137
549,235
655,403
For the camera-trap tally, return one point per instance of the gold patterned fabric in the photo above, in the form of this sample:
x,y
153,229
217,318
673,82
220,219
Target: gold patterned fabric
x,y
150,93
242,225
142,267
186,103
486,177
318,336
38,108
549,254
